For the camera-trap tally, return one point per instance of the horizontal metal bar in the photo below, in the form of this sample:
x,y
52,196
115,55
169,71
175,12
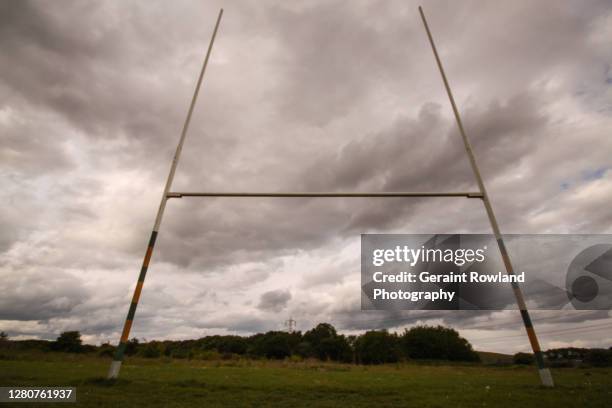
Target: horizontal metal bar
x,y
315,194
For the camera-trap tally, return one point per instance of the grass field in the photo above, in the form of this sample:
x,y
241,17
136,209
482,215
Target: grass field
x,y
181,383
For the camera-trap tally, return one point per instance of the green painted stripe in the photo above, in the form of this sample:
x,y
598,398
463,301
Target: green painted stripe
x,y
539,356
526,318
143,273
132,311
145,267
120,352
153,238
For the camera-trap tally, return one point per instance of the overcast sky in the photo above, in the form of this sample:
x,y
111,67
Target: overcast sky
x,y
311,96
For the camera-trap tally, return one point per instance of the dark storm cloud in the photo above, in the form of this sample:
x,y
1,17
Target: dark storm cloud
x,y
42,50
27,296
379,162
274,300
325,95
74,61
336,64
442,164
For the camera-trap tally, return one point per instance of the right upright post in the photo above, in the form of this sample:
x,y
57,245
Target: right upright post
x,y
545,375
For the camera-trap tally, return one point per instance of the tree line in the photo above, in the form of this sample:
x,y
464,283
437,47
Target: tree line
x,y
322,342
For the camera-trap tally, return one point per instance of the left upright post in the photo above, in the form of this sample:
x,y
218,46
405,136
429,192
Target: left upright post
x,y
113,372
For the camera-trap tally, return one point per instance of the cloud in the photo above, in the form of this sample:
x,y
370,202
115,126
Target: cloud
x,y
28,297
297,96
274,300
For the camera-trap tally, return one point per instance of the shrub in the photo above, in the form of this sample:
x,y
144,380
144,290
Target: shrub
x,y
131,347
106,350
599,357
181,353
208,355
304,349
296,358
150,350
437,343
272,345
324,343
232,344
69,341
377,347
523,358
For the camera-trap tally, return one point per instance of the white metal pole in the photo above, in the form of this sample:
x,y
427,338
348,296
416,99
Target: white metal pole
x,y
119,353
545,375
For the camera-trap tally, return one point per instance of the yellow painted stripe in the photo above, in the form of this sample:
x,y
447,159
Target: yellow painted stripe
x,y
533,339
137,291
126,331
147,257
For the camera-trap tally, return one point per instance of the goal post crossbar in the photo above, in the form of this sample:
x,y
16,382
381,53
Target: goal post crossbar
x,y
466,194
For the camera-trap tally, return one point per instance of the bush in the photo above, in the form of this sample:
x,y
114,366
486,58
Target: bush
x,y
377,347
272,344
437,343
295,358
599,357
208,355
106,350
181,353
232,344
69,341
523,358
324,343
304,349
131,347
150,350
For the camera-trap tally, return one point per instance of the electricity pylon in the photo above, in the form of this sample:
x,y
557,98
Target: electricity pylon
x,y
290,325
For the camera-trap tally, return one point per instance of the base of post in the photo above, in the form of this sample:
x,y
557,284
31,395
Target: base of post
x,y
113,372
546,377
